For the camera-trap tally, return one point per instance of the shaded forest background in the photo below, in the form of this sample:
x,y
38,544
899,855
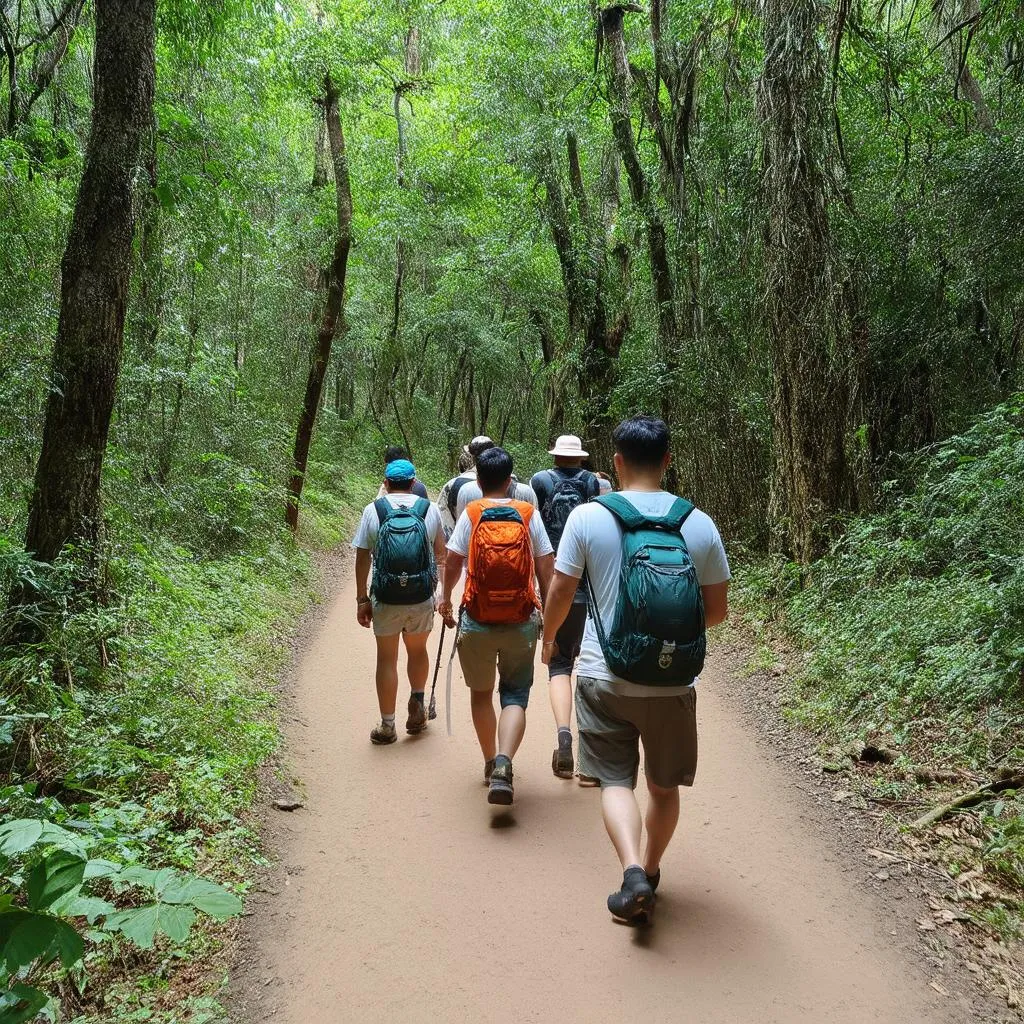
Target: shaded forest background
x,y
792,229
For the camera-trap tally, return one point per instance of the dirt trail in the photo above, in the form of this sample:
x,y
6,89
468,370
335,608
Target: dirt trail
x,y
401,895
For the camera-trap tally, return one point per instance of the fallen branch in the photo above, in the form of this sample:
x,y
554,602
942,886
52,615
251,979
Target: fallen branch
x,y
970,799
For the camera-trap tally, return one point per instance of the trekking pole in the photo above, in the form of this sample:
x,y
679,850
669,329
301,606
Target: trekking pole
x,y
432,710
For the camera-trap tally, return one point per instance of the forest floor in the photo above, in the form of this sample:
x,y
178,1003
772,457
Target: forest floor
x,y
397,893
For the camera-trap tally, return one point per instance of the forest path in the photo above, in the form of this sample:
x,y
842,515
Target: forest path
x,y
401,895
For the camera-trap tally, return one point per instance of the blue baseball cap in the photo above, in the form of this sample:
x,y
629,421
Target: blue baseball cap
x,y
400,470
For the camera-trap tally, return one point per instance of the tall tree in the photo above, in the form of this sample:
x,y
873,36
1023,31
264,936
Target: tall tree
x,y
808,326
95,275
334,306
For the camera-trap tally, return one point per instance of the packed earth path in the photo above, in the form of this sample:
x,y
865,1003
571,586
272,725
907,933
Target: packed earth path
x,y
401,895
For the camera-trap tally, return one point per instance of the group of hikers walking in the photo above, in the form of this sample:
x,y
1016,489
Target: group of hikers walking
x,y
620,585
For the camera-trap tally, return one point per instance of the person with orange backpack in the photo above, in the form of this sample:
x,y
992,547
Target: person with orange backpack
x,y
504,546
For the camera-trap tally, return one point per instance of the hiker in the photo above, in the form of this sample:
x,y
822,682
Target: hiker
x,y
639,660
401,535
447,500
506,546
471,491
393,454
559,491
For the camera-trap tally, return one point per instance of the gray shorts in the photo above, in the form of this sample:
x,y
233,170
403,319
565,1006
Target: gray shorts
x,y
612,727
391,619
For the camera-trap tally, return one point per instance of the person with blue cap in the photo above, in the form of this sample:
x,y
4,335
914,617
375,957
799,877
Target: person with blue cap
x,y
401,539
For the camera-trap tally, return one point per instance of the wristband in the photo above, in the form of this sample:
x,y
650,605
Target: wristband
x,y
363,600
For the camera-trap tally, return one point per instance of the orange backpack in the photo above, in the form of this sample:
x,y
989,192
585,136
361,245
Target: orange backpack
x,y
499,576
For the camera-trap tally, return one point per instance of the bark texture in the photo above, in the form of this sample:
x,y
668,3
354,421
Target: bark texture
x,y
96,272
806,320
334,306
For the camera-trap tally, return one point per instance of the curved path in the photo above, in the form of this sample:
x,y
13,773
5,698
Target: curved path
x,y
402,896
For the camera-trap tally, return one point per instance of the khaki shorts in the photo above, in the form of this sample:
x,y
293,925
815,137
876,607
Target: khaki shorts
x,y
509,649
612,727
391,619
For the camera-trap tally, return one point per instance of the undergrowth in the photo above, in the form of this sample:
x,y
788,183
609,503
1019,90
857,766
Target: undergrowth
x,y
911,632
140,724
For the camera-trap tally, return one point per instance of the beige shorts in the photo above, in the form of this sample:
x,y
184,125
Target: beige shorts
x,y
392,619
613,727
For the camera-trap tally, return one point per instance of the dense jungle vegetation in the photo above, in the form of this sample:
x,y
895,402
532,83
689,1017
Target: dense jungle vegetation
x,y
245,245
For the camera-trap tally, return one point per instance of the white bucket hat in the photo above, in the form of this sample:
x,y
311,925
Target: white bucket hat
x,y
570,446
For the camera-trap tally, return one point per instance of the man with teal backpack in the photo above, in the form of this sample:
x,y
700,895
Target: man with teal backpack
x,y
400,535
657,577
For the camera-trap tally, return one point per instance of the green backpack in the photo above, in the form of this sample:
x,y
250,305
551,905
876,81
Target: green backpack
x,y
658,635
404,571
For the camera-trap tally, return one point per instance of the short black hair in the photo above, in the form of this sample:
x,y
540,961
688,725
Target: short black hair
x,y
493,468
394,453
400,486
643,441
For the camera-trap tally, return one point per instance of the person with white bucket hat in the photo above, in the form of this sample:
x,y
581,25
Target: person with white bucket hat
x,y
559,491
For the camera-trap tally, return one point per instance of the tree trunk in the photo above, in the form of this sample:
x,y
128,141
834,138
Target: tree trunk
x,y
807,323
333,307
96,272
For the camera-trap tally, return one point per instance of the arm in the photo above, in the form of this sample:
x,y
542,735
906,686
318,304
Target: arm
x,y
364,608
716,603
440,553
452,572
545,566
556,608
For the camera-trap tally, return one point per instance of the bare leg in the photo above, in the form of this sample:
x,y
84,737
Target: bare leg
x,y
622,820
662,816
387,673
511,729
484,721
418,660
560,691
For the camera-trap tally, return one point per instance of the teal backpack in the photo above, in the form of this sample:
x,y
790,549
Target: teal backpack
x,y
404,571
658,636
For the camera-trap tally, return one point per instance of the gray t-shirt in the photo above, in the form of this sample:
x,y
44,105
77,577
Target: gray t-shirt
x,y
592,541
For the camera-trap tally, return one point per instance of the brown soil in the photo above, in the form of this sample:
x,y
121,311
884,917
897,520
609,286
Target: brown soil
x,y
399,894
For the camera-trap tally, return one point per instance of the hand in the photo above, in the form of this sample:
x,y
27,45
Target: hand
x,y
364,613
444,609
547,651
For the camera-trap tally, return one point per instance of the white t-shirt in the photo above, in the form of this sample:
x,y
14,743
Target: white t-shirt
x,y
369,525
592,541
459,541
471,492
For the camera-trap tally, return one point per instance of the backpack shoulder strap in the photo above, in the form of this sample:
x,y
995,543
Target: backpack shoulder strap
x,y
453,493
677,515
525,510
420,508
384,510
630,517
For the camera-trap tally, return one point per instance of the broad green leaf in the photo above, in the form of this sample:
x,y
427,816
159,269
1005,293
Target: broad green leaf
x,y
25,937
142,924
134,874
101,869
54,876
68,944
204,895
18,836
21,1003
74,904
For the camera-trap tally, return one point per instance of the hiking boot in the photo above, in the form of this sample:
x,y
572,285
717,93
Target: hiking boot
x,y
655,879
383,734
500,788
562,763
634,902
417,720
488,768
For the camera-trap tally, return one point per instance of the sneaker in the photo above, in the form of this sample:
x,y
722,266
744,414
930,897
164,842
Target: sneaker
x,y
587,781
500,787
383,734
634,902
562,763
488,768
417,720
